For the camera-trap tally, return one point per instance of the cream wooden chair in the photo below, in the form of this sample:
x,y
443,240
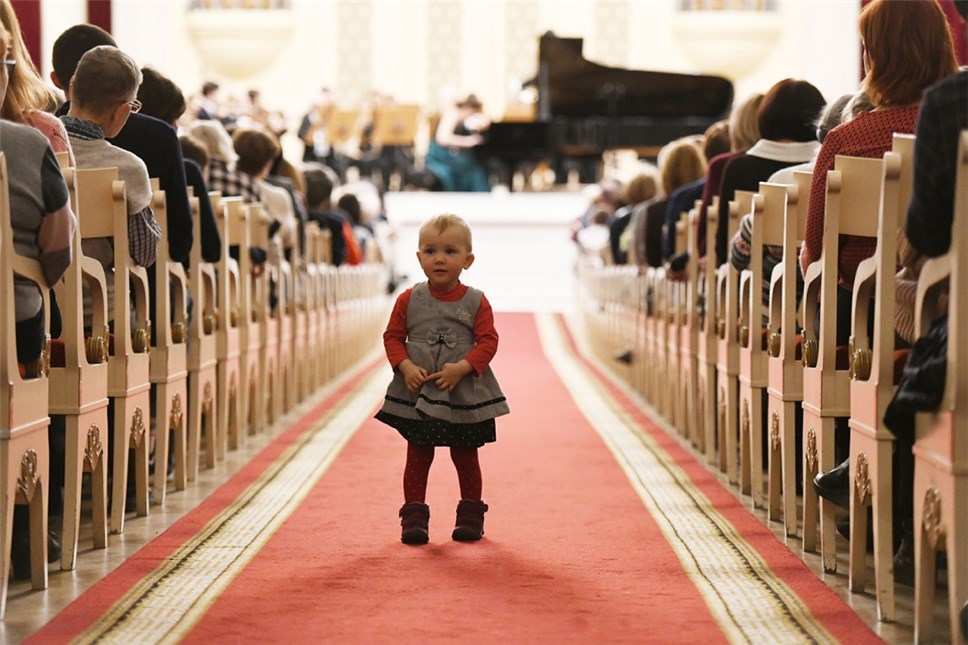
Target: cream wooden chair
x,y
259,362
231,292
689,337
660,312
268,321
769,207
323,270
79,389
639,364
727,361
307,333
675,314
851,208
252,384
941,447
872,383
708,342
287,290
202,355
24,452
101,194
650,335
169,360
330,320
784,369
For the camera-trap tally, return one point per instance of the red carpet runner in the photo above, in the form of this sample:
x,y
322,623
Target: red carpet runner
x,y
573,553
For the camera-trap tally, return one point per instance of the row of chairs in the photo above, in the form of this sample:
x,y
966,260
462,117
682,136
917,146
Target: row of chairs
x,y
208,379
706,351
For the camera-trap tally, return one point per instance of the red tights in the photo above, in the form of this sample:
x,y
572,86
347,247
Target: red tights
x,y
419,459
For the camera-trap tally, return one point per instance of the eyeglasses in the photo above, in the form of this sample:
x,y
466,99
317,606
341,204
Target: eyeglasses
x,y
8,64
135,105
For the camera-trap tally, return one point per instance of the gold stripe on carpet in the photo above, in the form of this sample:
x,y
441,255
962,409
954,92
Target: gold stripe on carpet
x,y
167,603
750,602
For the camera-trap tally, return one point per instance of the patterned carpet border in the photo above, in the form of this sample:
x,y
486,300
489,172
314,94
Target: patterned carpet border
x,y
167,603
750,601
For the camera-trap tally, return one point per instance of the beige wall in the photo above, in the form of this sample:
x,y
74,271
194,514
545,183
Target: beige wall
x,y
413,48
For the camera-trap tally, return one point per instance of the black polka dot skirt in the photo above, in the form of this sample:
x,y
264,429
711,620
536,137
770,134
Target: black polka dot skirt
x,y
435,432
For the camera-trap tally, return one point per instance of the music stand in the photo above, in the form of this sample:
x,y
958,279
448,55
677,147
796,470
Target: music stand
x,y
342,126
396,125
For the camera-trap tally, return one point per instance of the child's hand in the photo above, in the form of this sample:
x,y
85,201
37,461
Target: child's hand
x,y
450,374
413,375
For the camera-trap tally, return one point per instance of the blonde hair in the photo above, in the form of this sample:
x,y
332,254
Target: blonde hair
x,y
26,90
216,139
444,221
744,127
641,187
680,162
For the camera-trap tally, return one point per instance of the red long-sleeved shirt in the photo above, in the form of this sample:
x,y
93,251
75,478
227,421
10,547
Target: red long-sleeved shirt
x,y
485,335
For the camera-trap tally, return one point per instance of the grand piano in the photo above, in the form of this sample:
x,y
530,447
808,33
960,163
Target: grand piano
x,y
585,108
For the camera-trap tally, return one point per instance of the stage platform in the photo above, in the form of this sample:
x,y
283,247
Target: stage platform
x,y
525,259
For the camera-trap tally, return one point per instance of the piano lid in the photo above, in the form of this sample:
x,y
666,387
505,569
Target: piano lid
x,y
569,85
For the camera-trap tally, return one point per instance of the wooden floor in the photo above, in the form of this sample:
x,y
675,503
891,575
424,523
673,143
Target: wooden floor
x,y
525,262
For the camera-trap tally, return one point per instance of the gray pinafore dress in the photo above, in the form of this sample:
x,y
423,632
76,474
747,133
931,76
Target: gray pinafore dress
x,y
441,332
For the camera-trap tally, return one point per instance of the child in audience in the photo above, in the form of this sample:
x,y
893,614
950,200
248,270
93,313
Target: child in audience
x,y
440,340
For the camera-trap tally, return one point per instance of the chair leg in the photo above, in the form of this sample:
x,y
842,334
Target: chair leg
x,y
38,535
954,508
130,432
924,577
73,475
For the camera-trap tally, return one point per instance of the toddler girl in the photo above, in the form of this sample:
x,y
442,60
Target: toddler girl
x,y
439,341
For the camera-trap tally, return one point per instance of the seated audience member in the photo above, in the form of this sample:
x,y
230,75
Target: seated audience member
x,y
907,48
683,199
221,175
196,172
744,131
206,105
154,142
161,98
320,181
895,92
593,239
256,150
284,175
680,162
639,189
103,91
43,227
927,233
785,119
28,97
349,204
843,109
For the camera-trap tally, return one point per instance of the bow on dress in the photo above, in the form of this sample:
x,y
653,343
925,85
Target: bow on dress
x,y
446,337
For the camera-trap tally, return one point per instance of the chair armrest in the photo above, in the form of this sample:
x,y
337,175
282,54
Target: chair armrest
x,y
932,281
865,281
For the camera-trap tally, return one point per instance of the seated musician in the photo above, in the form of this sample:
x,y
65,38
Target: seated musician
x,y
450,156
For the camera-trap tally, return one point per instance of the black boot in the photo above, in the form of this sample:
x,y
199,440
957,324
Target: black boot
x,y
414,521
834,485
470,520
